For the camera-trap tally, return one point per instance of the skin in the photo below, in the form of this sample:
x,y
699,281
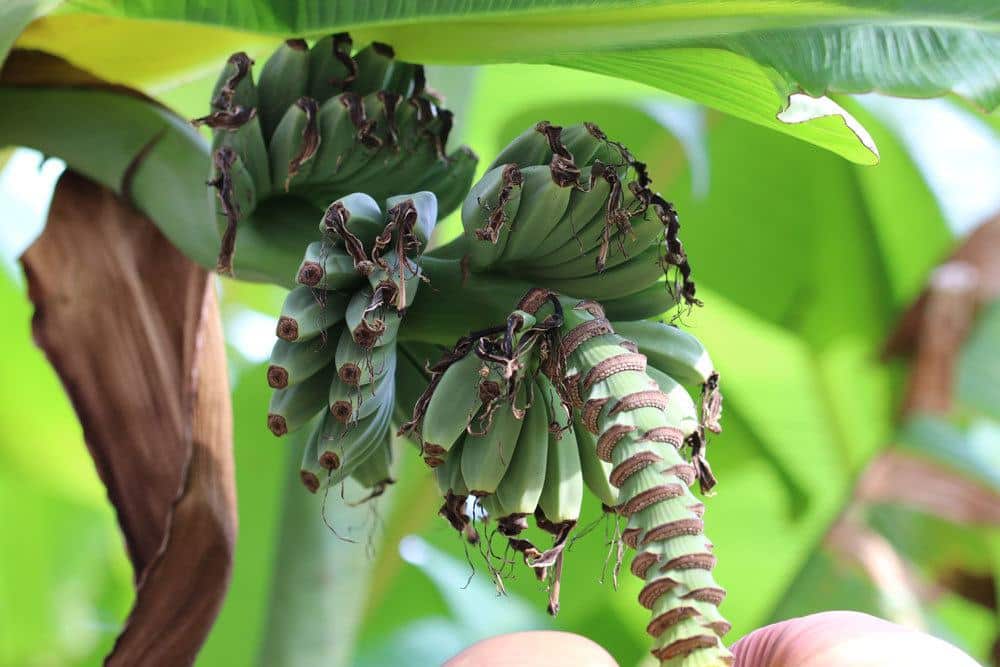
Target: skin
x,y
828,639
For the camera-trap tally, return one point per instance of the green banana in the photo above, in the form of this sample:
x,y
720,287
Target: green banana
x,y
371,327
310,472
349,403
488,212
651,301
375,471
426,207
330,67
294,144
586,142
291,408
486,456
328,267
521,486
359,214
358,366
671,350
596,472
450,180
235,197
531,147
620,281
336,148
680,411
283,79
583,236
543,203
307,312
454,403
562,492
411,381
584,206
449,474
344,447
375,64
291,363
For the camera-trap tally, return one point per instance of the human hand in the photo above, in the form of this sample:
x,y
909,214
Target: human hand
x,y
828,639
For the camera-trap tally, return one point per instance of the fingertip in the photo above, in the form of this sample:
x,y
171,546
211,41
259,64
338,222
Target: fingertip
x,y
539,647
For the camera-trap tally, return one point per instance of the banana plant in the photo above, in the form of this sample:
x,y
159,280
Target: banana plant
x,y
518,356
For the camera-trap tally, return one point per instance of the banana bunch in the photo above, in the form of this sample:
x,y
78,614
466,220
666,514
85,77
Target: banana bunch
x,y
570,209
317,124
337,365
527,415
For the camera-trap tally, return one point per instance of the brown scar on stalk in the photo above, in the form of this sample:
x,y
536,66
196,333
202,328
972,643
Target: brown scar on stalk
x,y
223,159
310,138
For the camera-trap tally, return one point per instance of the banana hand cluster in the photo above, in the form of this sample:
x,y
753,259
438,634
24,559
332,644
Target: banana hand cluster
x,y
320,123
573,210
337,365
557,401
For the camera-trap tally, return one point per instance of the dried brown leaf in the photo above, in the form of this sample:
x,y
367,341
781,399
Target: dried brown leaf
x,y
132,328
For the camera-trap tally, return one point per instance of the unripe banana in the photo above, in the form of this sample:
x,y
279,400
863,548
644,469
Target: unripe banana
x,y
671,350
350,403
562,492
338,145
371,327
524,478
291,408
449,474
359,366
235,87
248,142
411,381
330,67
584,236
454,403
543,203
235,197
307,312
615,283
450,180
596,472
652,301
426,207
375,64
344,447
359,214
486,456
291,363
375,471
488,212
531,147
401,282
310,471
584,206
327,267
294,144
680,411
283,79
586,142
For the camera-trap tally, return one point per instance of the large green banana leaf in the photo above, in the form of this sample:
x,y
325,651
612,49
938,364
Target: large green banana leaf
x,y
745,58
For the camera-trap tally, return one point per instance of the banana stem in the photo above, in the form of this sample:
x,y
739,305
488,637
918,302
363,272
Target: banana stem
x,y
320,581
454,304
